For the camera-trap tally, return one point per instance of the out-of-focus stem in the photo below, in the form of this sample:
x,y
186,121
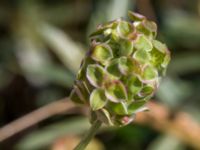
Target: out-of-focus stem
x,y
88,137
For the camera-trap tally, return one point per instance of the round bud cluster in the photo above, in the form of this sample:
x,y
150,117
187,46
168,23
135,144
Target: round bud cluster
x,y
122,69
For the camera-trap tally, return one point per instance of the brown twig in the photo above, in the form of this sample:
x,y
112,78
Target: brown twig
x,y
159,118
57,107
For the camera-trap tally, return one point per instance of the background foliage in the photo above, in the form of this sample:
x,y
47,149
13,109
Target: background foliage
x,y
42,43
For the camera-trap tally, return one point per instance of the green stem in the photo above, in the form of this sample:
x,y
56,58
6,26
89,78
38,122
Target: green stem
x,y
88,137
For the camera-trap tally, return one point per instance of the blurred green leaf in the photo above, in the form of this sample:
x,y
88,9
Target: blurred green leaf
x,y
166,142
64,47
45,136
36,63
178,21
173,91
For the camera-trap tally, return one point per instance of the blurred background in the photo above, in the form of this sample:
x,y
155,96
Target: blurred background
x,y
42,43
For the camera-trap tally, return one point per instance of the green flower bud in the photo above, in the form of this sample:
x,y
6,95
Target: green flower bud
x,y
122,70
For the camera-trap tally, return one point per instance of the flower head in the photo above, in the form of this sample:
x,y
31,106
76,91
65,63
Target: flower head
x,y
122,69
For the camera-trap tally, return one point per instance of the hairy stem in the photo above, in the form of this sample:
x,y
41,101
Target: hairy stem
x,y
88,137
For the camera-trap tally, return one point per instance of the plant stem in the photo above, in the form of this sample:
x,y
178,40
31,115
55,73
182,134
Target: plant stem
x,y
88,137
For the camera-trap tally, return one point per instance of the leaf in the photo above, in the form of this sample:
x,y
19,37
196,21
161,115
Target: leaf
x,y
118,108
134,106
134,84
95,74
160,54
147,90
115,91
126,65
97,32
150,26
142,43
83,89
135,16
166,61
142,56
113,68
104,116
82,70
157,58
74,97
160,46
102,53
124,28
149,73
97,99
126,47
115,35
107,32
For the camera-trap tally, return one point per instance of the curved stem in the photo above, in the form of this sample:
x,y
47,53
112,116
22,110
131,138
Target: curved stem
x,y
88,137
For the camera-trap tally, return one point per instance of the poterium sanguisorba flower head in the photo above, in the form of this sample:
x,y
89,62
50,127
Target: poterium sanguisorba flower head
x,y
122,69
